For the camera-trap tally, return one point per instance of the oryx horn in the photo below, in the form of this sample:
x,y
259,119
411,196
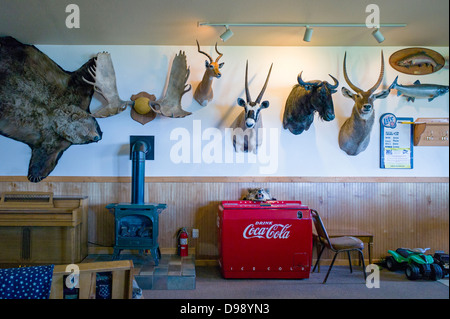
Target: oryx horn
x,y
258,100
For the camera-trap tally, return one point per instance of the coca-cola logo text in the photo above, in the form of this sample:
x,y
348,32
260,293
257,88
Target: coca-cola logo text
x,y
267,230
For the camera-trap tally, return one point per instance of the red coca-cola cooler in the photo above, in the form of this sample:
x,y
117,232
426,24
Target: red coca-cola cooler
x,y
270,239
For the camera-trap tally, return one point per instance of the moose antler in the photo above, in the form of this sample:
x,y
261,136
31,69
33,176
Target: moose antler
x,y
105,84
170,104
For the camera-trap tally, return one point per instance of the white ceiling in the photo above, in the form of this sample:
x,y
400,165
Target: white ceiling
x,y
174,22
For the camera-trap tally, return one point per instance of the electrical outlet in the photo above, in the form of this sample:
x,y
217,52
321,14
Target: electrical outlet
x,y
195,233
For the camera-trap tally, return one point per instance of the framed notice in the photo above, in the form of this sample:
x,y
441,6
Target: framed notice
x,y
396,141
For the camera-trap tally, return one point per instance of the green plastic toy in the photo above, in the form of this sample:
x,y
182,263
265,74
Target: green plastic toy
x,y
415,262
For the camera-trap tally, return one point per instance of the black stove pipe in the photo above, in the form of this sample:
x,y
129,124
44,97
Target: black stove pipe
x,y
140,148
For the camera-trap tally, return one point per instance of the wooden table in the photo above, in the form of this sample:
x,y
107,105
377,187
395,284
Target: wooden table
x,y
364,236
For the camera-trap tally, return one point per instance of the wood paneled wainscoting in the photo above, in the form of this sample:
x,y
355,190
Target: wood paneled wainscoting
x,y
399,212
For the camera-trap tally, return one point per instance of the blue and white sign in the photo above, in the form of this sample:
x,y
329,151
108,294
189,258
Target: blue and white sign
x,y
396,141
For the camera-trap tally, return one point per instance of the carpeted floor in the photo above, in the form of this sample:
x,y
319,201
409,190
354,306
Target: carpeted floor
x,y
341,284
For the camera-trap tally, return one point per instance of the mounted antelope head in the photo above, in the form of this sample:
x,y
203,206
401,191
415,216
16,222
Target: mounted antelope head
x,y
249,120
354,135
204,93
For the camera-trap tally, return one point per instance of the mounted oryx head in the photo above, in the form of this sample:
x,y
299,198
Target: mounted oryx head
x,y
204,94
354,135
252,109
246,127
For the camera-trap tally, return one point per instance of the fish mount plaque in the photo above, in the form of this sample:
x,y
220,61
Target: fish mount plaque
x,y
417,61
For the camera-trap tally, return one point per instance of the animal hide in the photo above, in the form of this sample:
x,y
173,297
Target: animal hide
x,y
170,104
43,105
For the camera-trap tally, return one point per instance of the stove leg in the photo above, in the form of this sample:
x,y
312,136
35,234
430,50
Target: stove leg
x,y
116,253
156,254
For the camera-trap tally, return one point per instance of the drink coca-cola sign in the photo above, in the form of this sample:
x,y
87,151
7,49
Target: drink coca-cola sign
x,y
268,230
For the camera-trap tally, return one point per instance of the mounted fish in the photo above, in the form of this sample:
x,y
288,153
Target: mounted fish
x,y
417,61
203,93
419,91
305,99
105,84
246,137
170,104
43,105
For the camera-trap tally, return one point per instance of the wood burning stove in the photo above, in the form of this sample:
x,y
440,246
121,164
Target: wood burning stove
x,y
137,223
136,227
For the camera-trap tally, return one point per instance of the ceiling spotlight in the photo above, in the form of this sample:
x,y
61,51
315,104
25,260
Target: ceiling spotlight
x,y
308,34
378,36
227,34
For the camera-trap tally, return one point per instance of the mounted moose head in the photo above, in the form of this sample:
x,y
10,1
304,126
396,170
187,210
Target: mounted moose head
x,y
170,103
204,93
305,99
249,121
102,72
354,135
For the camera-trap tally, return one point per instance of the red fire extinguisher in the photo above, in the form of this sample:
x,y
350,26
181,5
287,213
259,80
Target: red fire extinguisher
x,y
182,242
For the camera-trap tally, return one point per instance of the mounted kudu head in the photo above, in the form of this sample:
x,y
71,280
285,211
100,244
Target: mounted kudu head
x,y
212,67
252,109
364,99
354,135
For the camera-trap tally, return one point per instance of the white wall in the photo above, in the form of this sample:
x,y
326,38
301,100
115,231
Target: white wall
x,y
313,153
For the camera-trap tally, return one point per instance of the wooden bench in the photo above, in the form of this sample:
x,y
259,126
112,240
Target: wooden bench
x,y
122,279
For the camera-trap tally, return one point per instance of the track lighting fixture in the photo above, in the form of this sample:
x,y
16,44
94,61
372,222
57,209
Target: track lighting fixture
x,y
227,34
308,34
309,27
378,36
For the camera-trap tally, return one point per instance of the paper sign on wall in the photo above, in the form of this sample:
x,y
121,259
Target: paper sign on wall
x,y
396,141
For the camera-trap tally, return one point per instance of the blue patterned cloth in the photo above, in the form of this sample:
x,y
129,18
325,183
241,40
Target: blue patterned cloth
x,y
26,283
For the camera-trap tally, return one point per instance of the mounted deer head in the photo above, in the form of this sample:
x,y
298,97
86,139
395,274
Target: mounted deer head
x,y
204,94
354,135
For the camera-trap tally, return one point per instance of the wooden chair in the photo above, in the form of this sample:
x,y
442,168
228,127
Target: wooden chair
x,y
336,244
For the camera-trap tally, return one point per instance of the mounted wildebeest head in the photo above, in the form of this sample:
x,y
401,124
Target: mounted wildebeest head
x,y
305,99
354,135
